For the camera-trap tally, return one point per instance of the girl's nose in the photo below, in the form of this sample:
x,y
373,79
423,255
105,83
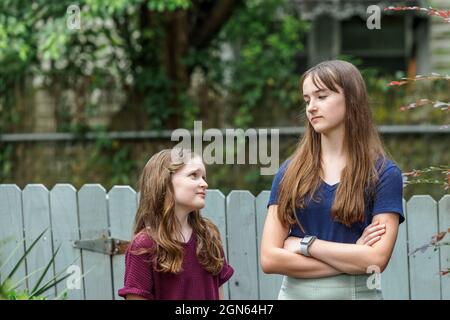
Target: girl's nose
x,y
311,107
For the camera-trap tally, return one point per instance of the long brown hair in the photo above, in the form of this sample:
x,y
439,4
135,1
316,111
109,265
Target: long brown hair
x,y
361,142
156,217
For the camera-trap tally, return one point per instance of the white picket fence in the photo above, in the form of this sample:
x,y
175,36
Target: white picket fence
x,y
92,213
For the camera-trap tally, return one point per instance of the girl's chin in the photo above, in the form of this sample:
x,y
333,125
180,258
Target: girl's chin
x,y
198,205
202,205
321,129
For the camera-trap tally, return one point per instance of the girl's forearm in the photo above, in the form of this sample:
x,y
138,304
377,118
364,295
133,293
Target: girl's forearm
x,y
281,261
349,258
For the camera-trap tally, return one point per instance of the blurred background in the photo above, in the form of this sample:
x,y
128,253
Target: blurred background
x,y
89,90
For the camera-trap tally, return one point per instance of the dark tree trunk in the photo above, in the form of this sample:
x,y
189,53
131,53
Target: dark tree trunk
x,y
176,46
194,28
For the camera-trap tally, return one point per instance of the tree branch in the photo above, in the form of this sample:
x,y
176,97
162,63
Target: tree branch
x,y
212,21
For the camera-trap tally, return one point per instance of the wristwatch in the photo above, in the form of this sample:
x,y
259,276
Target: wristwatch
x,y
305,243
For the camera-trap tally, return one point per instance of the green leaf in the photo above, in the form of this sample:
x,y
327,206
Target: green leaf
x,y
13,271
19,244
29,275
45,272
50,284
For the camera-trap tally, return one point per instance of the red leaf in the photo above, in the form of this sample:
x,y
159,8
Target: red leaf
x,y
422,102
438,237
397,83
414,173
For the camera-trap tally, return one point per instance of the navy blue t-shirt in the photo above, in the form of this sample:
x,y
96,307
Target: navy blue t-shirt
x,y
316,217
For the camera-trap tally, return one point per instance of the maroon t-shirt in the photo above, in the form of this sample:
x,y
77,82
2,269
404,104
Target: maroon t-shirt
x,y
192,283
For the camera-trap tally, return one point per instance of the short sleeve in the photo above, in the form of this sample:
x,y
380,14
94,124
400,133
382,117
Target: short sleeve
x,y
273,199
138,274
226,272
389,193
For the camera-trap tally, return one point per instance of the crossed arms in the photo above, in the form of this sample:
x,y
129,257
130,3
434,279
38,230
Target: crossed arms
x,y
279,254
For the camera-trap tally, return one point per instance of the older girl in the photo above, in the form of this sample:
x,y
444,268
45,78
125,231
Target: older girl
x,y
336,203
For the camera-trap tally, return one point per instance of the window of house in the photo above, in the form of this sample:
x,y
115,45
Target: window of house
x,y
384,48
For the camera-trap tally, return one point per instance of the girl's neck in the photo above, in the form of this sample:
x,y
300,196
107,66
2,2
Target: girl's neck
x,y
332,145
333,158
186,228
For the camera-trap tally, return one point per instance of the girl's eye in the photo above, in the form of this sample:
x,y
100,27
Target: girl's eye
x,y
307,102
322,97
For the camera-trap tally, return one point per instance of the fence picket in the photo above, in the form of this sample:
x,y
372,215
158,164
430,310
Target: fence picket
x,y
242,245
64,215
11,232
269,284
215,210
94,225
36,215
122,210
395,278
444,225
424,266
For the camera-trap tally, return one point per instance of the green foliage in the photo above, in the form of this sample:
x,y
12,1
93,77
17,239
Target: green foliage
x,y
420,176
110,51
388,102
264,39
8,289
111,158
171,5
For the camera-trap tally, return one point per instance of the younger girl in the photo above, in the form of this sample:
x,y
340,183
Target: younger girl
x,y
175,253
336,204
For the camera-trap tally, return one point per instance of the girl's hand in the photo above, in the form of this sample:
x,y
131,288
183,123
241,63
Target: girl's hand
x,y
292,244
372,233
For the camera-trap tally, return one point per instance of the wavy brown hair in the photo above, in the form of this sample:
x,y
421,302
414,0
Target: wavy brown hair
x,y
362,145
156,217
